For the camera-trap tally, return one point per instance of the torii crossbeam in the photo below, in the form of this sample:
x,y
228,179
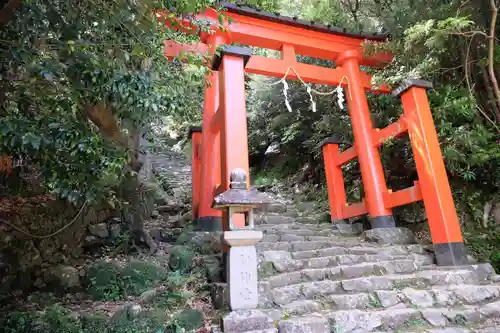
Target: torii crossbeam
x,y
223,145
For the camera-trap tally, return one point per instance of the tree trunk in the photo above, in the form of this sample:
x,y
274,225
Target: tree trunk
x,y
139,195
133,190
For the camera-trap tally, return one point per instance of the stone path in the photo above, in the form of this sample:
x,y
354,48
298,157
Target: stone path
x,y
315,278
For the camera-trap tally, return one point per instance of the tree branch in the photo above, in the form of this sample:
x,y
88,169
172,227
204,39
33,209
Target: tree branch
x,y
491,52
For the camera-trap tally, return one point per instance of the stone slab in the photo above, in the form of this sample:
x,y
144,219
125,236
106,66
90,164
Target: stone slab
x,y
242,278
389,236
240,321
241,237
304,325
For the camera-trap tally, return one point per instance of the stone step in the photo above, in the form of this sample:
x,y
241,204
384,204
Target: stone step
x,y
345,272
446,296
282,260
277,208
295,237
271,219
295,227
311,245
284,218
346,245
418,280
391,320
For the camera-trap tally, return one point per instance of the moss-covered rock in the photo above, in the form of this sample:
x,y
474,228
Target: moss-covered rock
x,y
190,319
110,281
181,258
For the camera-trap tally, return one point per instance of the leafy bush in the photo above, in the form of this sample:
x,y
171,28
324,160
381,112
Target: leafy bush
x,y
181,258
108,281
189,320
485,246
104,281
16,322
58,319
139,276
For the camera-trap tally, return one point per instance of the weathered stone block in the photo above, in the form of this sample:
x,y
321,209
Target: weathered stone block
x,y
265,295
304,325
419,298
367,284
302,306
397,318
291,238
318,262
475,294
318,274
387,298
389,236
351,321
285,295
443,297
270,238
63,276
99,230
358,270
320,288
285,279
434,317
246,320
351,301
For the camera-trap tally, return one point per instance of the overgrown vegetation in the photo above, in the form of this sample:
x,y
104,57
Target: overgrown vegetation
x,y
83,83
109,281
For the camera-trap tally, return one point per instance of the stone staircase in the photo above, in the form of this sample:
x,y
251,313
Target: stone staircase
x,y
317,278
320,278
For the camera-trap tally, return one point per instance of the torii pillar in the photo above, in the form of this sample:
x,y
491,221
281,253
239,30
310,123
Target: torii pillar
x,y
210,219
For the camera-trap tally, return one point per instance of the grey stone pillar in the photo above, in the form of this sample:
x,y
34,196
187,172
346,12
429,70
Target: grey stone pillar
x,y
241,268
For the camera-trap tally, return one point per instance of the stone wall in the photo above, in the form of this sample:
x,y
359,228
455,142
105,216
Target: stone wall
x,y
23,257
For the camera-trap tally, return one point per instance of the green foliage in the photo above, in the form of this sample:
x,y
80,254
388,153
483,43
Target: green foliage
x,y
62,58
485,246
108,281
141,275
181,258
57,319
15,322
266,269
189,320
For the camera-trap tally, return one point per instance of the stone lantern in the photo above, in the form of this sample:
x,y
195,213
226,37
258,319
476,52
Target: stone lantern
x,y
241,267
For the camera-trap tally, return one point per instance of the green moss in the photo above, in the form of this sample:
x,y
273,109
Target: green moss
x,y
108,281
485,245
181,258
57,319
266,269
190,319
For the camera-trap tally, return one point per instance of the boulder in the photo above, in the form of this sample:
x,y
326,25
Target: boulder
x,y
64,276
115,231
99,230
389,236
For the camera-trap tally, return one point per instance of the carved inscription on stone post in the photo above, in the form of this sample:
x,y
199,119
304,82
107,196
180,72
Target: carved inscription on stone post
x,y
243,285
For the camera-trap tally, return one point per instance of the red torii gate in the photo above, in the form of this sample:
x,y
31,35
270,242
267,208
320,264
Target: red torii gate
x,y
222,145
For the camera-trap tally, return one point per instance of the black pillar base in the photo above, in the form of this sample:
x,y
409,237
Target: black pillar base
x,y
451,254
383,222
208,223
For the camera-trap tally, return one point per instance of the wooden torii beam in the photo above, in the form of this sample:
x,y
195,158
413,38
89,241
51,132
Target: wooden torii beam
x,y
255,28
